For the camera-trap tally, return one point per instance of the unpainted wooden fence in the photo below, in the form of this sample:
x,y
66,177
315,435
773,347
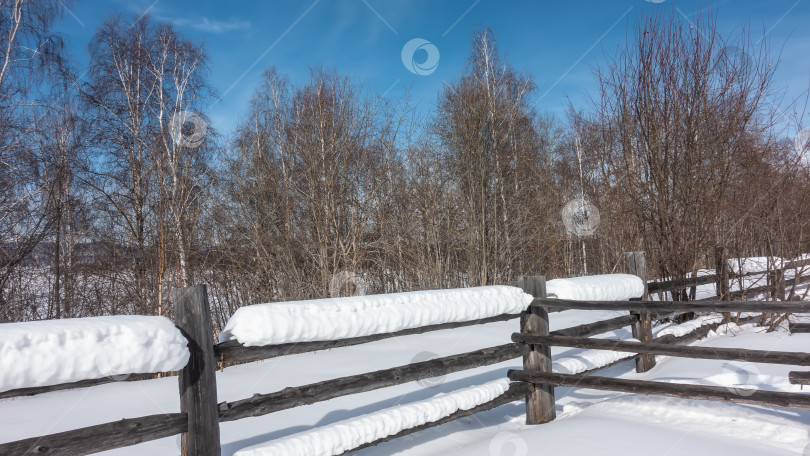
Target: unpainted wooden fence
x,y
200,413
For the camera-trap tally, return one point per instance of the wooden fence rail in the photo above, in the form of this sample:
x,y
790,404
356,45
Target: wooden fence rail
x,y
233,351
262,404
666,345
683,351
201,414
663,307
716,393
198,422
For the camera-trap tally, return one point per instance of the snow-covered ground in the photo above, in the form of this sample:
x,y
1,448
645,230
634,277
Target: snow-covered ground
x,y
589,422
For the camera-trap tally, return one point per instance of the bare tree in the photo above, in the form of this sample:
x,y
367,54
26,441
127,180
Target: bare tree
x,y
143,81
493,152
311,166
680,113
27,52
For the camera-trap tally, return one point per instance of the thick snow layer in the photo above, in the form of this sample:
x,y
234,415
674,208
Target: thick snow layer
x,y
339,437
41,353
608,287
589,359
356,316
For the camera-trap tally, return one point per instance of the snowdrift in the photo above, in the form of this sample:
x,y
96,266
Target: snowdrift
x,y
342,436
356,316
42,353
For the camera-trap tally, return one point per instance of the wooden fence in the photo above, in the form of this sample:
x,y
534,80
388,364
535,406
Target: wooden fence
x,y
539,377
200,413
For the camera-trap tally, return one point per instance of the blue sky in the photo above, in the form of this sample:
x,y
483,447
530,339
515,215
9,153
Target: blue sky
x,y
557,42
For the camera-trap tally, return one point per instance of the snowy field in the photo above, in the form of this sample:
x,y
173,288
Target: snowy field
x,y
589,422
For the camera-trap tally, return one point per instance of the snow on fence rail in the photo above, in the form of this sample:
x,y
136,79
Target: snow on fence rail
x,y
358,316
45,353
200,415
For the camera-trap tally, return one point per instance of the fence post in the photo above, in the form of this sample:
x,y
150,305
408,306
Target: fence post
x,y
636,264
540,401
776,276
722,271
198,383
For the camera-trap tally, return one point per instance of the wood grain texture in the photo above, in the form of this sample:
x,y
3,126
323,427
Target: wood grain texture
x,y
799,378
80,384
234,352
636,264
679,306
102,437
729,354
262,404
540,402
799,328
197,381
780,399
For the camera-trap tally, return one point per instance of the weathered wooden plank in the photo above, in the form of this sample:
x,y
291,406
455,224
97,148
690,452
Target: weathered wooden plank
x,y
102,437
262,404
598,327
739,294
799,378
540,406
233,351
671,285
798,328
516,391
748,274
197,381
780,399
679,306
699,333
80,384
636,264
730,354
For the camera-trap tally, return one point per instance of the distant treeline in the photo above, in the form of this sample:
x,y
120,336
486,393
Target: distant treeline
x,y
114,187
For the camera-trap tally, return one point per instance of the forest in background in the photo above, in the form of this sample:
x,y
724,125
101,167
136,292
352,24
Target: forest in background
x,y
115,188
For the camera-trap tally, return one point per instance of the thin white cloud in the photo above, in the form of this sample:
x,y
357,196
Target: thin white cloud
x,y
212,25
